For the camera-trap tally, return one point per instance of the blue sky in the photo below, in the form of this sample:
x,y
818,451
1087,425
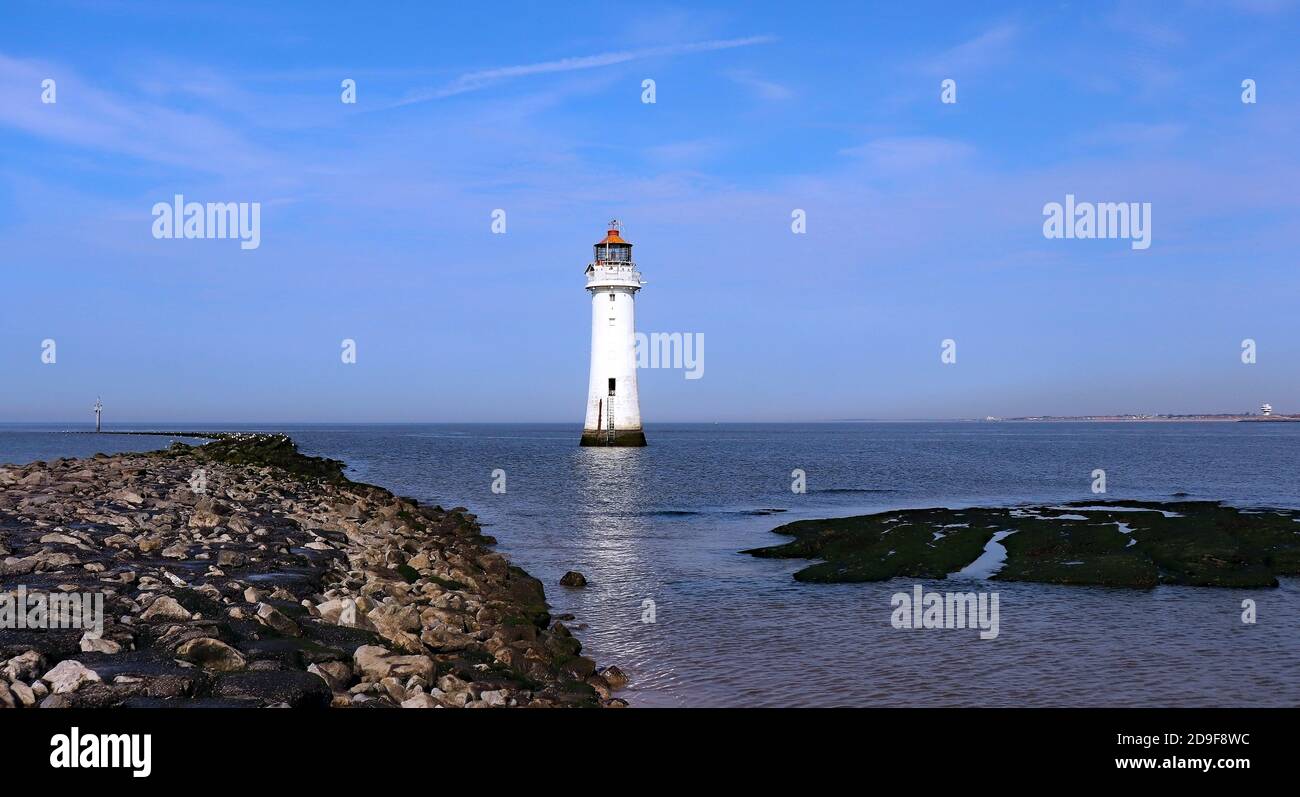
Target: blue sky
x,y
924,218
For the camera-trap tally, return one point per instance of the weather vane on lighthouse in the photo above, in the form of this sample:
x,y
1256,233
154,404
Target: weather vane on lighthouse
x,y
99,408
613,410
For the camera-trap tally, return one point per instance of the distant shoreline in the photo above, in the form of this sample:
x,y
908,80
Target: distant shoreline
x,y
186,430
1154,418
1091,419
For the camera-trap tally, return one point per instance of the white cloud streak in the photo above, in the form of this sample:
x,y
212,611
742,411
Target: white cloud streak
x,y
473,81
976,53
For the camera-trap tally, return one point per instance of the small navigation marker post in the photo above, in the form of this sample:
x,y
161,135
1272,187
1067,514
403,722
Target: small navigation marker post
x,y
99,409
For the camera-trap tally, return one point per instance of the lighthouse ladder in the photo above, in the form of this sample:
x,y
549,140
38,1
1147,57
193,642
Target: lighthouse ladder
x,y
609,425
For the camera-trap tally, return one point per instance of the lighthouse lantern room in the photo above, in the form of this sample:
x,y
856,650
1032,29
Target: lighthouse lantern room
x,y
613,409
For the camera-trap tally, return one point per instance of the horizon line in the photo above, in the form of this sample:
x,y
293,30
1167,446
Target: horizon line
x,y
121,426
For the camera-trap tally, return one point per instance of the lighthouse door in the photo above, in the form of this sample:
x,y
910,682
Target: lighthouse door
x,y
611,386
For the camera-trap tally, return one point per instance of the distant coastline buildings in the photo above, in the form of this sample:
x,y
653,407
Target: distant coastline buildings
x,y
1266,413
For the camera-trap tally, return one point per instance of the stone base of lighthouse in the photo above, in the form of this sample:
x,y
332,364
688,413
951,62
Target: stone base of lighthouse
x,y
622,437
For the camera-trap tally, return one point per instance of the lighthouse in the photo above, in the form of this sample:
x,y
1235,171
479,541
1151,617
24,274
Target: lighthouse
x,y
613,410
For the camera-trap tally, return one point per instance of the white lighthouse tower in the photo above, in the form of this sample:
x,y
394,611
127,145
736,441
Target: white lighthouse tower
x,y
613,410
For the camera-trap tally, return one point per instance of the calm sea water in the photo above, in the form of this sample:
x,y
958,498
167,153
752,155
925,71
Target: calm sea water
x,y
665,523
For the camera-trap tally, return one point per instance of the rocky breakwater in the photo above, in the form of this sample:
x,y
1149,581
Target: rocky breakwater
x,y
243,573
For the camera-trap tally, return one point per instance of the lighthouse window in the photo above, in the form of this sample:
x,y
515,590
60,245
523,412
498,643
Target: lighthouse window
x,y
611,297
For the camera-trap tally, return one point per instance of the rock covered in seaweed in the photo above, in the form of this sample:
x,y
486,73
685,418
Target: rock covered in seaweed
x,y
573,579
1108,543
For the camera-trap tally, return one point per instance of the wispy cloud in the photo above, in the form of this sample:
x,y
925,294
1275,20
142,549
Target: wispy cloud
x,y
1264,6
473,81
684,153
1144,26
975,53
907,153
96,119
1135,134
764,89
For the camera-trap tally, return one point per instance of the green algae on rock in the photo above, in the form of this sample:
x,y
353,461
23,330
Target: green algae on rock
x,y
266,450
1108,543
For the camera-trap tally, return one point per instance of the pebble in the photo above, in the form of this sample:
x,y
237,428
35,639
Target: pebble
x,y
68,676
